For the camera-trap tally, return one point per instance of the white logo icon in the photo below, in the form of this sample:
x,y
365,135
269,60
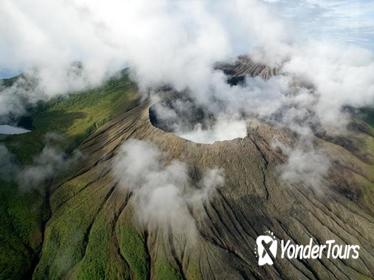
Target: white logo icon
x,y
266,248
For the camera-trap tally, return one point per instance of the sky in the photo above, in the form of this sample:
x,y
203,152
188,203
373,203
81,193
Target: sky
x,y
349,21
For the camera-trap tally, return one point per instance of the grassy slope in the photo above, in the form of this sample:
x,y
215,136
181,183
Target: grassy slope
x,y
21,214
367,115
94,256
74,117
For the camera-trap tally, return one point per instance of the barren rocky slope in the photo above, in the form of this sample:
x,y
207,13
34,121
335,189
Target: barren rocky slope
x,y
244,65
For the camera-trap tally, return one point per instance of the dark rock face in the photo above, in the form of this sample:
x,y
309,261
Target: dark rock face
x,y
185,114
243,67
92,230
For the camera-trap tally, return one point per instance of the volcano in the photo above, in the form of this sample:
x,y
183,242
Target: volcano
x,y
92,233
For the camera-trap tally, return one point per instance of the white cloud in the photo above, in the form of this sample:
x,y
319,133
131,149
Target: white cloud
x,y
177,43
222,129
174,42
51,161
306,164
162,190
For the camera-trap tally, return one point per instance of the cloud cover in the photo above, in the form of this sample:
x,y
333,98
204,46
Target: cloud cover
x,y
46,165
49,163
171,42
162,191
177,43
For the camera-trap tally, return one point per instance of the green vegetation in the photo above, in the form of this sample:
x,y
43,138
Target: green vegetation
x,y
74,117
20,236
165,271
367,146
102,258
133,249
69,235
84,239
22,213
367,115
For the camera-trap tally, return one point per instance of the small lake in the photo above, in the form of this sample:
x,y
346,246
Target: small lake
x,y
8,130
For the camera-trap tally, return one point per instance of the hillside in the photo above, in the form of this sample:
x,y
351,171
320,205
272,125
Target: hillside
x,y
84,226
24,211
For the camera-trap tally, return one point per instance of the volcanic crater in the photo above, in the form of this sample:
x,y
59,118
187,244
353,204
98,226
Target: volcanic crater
x,y
252,201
